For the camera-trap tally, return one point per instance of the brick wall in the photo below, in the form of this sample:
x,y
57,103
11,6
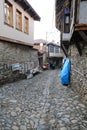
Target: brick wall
x,y
22,56
79,70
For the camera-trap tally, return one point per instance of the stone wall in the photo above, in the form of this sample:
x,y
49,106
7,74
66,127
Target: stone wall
x,y
15,61
79,70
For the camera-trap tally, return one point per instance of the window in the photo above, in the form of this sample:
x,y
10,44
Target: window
x,y
51,48
66,20
41,46
18,20
8,10
26,25
66,24
56,49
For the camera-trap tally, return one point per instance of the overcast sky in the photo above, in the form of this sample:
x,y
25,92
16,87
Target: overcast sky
x,y
46,10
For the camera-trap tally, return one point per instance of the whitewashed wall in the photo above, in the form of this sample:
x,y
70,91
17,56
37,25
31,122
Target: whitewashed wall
x,y
83,13
9,32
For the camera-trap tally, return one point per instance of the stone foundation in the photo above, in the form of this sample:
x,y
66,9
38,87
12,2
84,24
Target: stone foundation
x,y
15,61
79,70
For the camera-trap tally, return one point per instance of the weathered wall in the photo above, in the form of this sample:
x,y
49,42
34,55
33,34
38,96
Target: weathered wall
x,y
60,6
11,54
11,32
79,70
38,47
83,11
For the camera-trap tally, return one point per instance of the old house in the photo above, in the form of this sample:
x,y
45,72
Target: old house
x,y
16,37
55,54
40,45
71,20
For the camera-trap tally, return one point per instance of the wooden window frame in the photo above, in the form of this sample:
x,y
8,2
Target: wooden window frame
x,y
66,24
18,17
8,7
66,20
26,25
51,49
56,49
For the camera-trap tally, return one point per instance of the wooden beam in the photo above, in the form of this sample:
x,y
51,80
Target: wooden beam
x,y
80,27
15,41
83,35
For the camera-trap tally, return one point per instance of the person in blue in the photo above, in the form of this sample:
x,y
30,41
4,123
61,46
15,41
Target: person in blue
x,y
52,66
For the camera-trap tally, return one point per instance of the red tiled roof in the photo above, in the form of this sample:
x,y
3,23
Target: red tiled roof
x,y
38,41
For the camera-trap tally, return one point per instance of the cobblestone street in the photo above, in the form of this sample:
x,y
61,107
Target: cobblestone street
x,y
40,103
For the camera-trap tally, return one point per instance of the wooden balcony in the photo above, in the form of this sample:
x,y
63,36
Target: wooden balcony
x,y
65,37
78,27
77,23
52,54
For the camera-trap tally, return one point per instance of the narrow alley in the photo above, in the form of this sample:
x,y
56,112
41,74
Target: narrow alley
x,y
41,103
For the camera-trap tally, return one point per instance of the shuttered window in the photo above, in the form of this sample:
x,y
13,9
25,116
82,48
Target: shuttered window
x,y
8,13
51,48
26,25
66,20
18,20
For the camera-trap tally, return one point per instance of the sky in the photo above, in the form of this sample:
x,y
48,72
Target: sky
x,y
45,28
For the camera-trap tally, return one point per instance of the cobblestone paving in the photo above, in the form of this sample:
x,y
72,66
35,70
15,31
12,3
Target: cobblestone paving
x,y
41,103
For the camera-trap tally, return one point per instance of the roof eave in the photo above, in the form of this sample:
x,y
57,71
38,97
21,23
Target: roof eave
x,y
27,7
